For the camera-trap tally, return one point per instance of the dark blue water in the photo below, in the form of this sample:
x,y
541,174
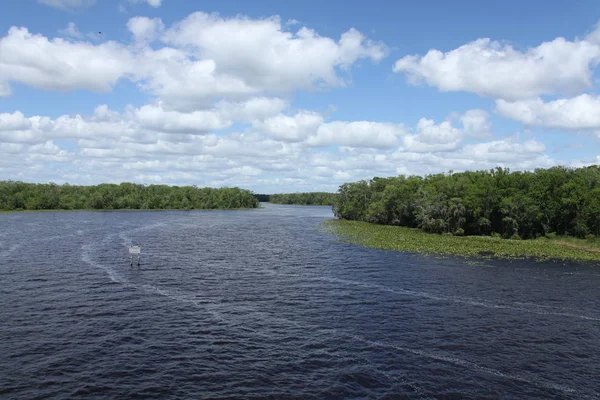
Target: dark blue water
x,y
261,304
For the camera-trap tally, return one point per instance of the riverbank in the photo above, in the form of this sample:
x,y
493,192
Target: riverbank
x,y
127,209
399,238
304,199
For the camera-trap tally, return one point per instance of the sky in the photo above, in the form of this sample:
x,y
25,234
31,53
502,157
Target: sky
x,y
278,96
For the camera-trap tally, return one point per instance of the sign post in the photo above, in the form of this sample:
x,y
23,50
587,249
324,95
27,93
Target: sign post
x,y
135,250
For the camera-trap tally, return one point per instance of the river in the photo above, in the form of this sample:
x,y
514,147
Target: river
x,y
263,304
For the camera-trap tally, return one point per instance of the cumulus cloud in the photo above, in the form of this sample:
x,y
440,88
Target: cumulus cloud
x,y
311,128
71,31
505,153
253,109
145,29
430,137
151,3
493,69
154,145
154,117
291,128
358,134
265,56
192,64
586,162
476,123
59,64
581,112
14,122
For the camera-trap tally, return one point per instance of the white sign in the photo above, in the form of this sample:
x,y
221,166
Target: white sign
x,y
135,250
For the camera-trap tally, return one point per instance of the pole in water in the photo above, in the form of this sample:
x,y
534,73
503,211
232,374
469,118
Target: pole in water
x,y
135,250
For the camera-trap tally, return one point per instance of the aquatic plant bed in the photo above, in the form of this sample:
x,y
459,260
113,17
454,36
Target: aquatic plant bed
x,y
416,241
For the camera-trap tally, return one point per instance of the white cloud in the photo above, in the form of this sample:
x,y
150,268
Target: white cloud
x,y
150,143
492,69
291,129
14,122
186,84
5,89
504,153
201,59
59,64
444,137
145,29
476,123
256,108
310,128
585,163
368,134
430,137
581,112
154,117
145,124
276,152
430,133
242,159
68,4
151,3
265,56
71,30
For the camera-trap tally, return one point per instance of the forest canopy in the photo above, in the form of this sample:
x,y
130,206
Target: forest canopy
x,y
555,201
50,196
305,199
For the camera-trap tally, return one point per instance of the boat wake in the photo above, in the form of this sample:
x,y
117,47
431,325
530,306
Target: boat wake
x,y
523,307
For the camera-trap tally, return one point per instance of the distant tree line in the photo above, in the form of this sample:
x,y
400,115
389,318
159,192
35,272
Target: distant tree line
x,y
32,196
263,197
305,199
559,200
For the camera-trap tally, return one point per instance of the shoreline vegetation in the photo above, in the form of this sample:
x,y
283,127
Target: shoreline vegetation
x,y
59,210
20,196
305,199
546,213
412,240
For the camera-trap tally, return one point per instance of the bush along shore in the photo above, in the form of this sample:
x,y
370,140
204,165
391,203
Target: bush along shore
x,y
20,196
557,210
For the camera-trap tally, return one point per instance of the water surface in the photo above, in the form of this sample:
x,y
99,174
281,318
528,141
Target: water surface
x,y
262,304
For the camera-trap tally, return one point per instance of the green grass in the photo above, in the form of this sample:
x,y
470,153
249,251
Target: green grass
x,y
416,241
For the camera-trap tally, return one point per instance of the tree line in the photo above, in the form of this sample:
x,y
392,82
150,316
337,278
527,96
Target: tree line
x,y
50,196
305,199
544,202
262,197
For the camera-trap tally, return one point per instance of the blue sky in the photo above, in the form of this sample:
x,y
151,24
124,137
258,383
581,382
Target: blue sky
x,y
292,96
